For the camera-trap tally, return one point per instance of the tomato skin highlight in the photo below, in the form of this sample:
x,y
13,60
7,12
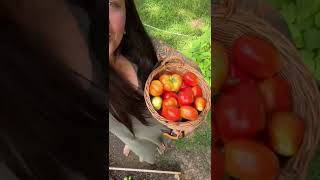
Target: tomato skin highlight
x,y
256,56
240,113
167,94
197,91
156,88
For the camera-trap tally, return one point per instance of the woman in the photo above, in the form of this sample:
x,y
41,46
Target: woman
x,y
132,57
52,124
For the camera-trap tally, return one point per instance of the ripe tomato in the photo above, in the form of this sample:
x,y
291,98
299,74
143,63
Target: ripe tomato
x,y
276,93
197,91
156,102
256,56
240,113
200,103
189,113
167,94
171,101
285,130
156,88
171,113
171,82
190,79
217,159
184,85
185,97
250,160
220,66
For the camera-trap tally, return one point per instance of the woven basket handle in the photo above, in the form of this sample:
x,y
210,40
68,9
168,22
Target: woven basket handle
x,y
173,59
180,135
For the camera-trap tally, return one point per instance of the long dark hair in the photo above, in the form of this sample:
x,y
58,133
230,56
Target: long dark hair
x,y
51,127
137,47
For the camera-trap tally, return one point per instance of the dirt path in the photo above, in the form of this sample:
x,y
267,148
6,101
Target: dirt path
x,y
193,165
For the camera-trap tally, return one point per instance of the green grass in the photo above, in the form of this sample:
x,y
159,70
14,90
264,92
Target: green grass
x,y
171,22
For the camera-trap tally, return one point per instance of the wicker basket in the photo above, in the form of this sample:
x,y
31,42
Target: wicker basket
x,y
176,64
228,24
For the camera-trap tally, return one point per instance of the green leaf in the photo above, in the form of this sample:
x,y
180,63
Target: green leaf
x,y
317,60
297,35
308,59
289,11
304,24
317,20
312,39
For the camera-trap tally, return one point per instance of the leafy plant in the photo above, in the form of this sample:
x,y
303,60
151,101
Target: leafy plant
x,y
303,19
200,51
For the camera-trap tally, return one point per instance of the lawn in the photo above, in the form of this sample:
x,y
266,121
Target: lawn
x,y
186,27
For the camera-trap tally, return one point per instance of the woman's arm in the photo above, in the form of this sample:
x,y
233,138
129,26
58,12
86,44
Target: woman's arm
x,y
51,24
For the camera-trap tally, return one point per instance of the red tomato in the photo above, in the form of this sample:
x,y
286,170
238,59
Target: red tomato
x,y
250,160
171,101
185,97
190,79
197,91
217,159
256,56
240,113
171,113
276,93
200,103
189,113
235,77
171,82
184,85
156,88
220,66
286,132
167,94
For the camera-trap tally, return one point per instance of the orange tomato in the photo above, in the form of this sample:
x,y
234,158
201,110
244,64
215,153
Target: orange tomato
x,y
171,101
189,113
156,88
285,130
250,160
200,103
171,82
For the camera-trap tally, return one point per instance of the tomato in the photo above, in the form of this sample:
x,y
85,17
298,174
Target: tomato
x,y
171,113
185,97
235,77
200,103
256,56
171,101
190,79
184,85
220,66
156,102
197,91
167,94
285,130
240,113
189,113
250,160
156,88
217,159
171,82
276,93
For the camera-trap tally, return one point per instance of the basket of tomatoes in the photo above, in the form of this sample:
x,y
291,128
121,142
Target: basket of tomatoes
x,y
177,96
266,101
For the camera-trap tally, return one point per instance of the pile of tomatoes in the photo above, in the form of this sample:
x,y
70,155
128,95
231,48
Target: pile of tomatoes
x,y
177,97
254,122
